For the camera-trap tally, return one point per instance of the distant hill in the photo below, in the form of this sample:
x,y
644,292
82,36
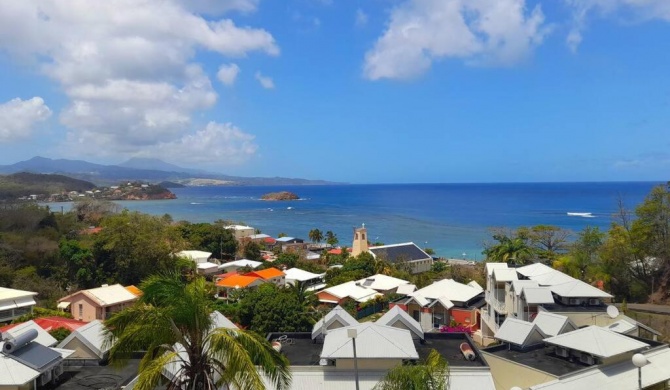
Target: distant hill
x,y
25,184
146,170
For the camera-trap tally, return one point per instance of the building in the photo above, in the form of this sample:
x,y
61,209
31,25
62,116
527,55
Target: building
x,y
97,303
233,266
591,357
15,303
27,364
523,292
308,280
201,260
269,275
15,330
324,358
349,291
88,344
50,323
240,231
382,283
442,302
403,255
235,282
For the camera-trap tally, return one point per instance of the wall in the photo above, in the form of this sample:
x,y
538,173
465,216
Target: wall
x,y
91,310
465,317
507,374
81,351
368,364
328,297
419,266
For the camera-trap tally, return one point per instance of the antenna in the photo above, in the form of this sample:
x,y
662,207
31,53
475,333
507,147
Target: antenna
x,y
612,311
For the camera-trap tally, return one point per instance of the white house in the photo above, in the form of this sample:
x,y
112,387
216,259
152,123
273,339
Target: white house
x,y
88,344
382,283
241,231
15,303
310,280
232,266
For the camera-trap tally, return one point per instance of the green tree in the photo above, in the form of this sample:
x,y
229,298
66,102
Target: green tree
x,y
252,251
270,308
60,333
315,235
549,241
432,374
171,317
514,250
80,265
331,238
214,238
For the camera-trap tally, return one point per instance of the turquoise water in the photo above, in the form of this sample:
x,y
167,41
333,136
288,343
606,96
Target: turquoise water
x,y
453,219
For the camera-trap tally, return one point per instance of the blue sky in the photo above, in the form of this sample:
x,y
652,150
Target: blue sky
x,y
357,91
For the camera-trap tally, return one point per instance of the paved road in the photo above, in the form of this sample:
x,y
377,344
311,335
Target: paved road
x,y
648,307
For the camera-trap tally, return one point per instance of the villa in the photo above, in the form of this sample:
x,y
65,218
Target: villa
x,y
15,303
98,303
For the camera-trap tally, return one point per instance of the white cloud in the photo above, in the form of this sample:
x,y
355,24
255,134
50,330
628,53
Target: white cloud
x,y
127,66
227,73
361,18
632,10
489,32
18,117
265,81
224,144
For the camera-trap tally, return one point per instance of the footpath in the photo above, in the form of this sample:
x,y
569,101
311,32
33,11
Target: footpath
x,y
648,308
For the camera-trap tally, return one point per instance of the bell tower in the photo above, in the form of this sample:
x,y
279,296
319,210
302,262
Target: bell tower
x,y
360,244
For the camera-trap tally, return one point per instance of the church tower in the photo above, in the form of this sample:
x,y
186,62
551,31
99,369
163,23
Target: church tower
x,y
360,244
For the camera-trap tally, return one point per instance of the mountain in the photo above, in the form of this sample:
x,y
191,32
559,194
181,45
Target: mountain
x,y
25,184
147,170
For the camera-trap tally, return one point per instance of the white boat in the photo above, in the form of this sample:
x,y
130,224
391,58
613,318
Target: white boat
x,y
583,215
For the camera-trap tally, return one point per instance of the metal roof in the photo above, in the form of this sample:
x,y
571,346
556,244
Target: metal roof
x,y
577,288
194,255
300,275
619,376
451,289
399,318
10,293
505,274
43,337
105,295
221,321
373,342
622,326
92,335
553,324
353,291
14,373
492,266
240,263
597,341
560,283
381,282
336,316
476,285
520,333
518,285
406,289
537,295
395,253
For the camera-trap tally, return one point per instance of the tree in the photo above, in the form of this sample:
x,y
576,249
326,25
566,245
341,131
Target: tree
x,y
172,316
271,308
514,250
80,265
252,251
548,241
92,211
214,238
316,235
331,238
432,374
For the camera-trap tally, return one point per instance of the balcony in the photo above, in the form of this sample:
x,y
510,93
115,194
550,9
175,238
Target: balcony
x,y
490,320
495,303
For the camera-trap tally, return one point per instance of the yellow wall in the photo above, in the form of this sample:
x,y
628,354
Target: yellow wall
x,y
81,351
507,374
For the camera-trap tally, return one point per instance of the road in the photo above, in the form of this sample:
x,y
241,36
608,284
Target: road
x,y
648,308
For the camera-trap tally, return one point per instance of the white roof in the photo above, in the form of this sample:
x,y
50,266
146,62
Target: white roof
x,y
285,239
259,236
476,285
43,337
491,266
10,293
106,295
518,285
505,274
221,321
395,315
406,289
577,288
381,282
622,326
535,269
300,275
194,255
240,263
207,265
619,376
420,299
560,283
373,342
553,324
14,299
353,291
13,373
92,335
238,227
450,289
337,314
537,295
519,332
596,341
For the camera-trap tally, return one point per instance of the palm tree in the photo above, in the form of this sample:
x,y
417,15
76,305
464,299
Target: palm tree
x,y
433,374
315,235
331,238
172,321
509,250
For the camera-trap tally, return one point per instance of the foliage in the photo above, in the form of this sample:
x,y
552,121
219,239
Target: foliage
x,y
213,238
439,266
583,258
514,249
331,238
315,235
456,328
252,251
432,374
60,333
80,266
548,241
92,211
171,315
429,251
288,260
270,308
41,312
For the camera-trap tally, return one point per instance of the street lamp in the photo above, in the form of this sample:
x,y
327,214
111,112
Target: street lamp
x,y
639,361
352,333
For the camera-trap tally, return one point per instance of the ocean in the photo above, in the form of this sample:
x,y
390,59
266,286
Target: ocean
x,y
452,219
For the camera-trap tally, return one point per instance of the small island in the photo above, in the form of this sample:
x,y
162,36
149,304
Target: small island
x,y
283,195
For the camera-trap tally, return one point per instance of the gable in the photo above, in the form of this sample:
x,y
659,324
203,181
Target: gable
x,y
334,325
81,350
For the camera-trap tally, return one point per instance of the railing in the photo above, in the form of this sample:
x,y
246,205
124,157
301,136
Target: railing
x,y
493,301
490,320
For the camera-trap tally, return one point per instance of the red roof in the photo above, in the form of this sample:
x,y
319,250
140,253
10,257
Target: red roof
x,y
269,240
50,323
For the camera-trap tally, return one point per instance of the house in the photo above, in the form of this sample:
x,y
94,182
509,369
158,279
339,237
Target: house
x,y
442,302
382,283
341,293
398,318
15,303
240,231
324,358
88,344
49,323
310,281
269,275
591,357
97,303
553,324
235,282
27,364
289,240
524,292
43,337
200,259
232,266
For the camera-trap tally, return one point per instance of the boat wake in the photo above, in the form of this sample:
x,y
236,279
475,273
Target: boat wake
x,y
583,215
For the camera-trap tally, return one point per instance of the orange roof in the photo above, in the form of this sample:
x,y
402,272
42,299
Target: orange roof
x,y
134,290
269,240
235,281
336,251
267,273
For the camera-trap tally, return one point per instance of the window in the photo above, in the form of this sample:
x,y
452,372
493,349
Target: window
x,y
81,311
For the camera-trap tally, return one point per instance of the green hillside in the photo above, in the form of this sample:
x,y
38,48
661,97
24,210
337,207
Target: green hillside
x,y
24,184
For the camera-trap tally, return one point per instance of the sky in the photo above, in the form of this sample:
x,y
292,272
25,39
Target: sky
x,y
374,91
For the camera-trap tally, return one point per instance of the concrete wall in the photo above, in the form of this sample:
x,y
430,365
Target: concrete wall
x,y
368,364
418,266
322,295
81,351
507,374
84,308
29,386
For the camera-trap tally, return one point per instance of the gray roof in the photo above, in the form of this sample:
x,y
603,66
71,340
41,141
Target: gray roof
x,y
537,295
37,356
337,317
519,333
43,337
373,342
553,324
400,252
13,372
399,318
597,341
92,335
